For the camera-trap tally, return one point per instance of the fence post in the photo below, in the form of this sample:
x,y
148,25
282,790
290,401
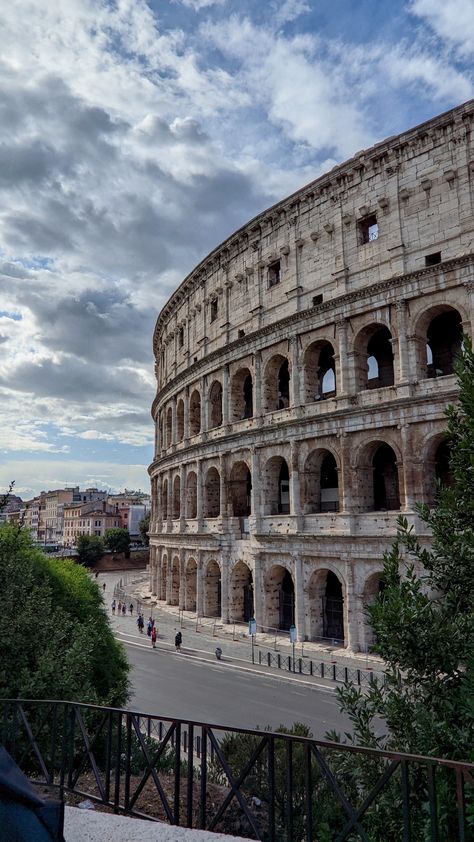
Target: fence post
x,y
334,672
279,661
322,669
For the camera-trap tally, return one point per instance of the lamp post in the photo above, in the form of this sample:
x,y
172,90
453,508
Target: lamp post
x,y
294,639
252,633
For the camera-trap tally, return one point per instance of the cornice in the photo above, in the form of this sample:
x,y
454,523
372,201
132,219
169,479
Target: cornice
x,y
385,156
246,344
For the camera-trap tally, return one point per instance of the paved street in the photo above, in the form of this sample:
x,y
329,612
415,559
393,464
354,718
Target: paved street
x,y
193,685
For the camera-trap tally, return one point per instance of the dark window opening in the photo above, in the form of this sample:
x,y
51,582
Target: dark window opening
x,y
443,465
329,485
181,337
380,360
284,490
241,334
385,480
248,397
317,299
368,229
444,343
433,259
213,309
274,273
333,609
326,374
283,386
287,602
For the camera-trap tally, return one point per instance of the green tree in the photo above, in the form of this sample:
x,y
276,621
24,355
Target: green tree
x,y
118,540
90,549
55,637
144,527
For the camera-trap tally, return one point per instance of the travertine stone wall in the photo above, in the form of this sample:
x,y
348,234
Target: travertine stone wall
x,y
303,370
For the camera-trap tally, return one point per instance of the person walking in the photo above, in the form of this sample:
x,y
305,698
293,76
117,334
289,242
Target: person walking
x,y
153,637
124,610
119,608
113,606
131,608
149,627
140,623
103,587
178,641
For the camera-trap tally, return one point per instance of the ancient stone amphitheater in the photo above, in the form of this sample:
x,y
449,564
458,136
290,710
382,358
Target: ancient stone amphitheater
x,y
303,372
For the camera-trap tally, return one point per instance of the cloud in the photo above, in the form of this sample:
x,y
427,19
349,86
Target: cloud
x,y
198,5
451,20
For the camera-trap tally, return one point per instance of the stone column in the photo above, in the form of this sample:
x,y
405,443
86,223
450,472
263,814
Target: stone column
x,y
204,404
405,471
352,614
160,515
199,497
223,485
259,595
158,554
255,501
225,556
182,580
295,494
295,368
169,514
344,475
186,413
300,618
151,569
169,575
257,384
182,498
341,359
469,328
199,586
225,395
173,421
403,355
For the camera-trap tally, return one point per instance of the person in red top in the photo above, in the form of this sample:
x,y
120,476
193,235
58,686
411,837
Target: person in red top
x,y
153,637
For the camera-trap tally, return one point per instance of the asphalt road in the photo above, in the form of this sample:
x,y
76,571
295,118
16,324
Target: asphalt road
x,y
166,683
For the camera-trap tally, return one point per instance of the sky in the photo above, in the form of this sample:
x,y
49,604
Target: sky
x,y
134,137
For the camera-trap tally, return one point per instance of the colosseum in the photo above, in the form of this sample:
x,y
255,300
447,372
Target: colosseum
x,y
303,371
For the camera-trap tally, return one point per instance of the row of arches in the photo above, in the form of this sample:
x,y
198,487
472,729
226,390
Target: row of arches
x,y
325,596
373,368
379,484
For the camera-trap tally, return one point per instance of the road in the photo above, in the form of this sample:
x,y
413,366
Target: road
x,y
184,686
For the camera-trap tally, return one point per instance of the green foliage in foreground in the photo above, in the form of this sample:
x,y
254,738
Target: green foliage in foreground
x,y
144,527
117,540
90,549
55,638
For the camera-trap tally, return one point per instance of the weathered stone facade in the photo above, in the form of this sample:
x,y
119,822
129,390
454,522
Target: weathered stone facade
x,y
303,371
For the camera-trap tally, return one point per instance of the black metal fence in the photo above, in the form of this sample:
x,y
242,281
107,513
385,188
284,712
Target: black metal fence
x,y
256,784
329,670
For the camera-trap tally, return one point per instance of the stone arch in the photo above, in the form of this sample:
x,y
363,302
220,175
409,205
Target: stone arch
x,y
439,334
212,493
215,405
373,357
190,585
276,385
164,498
212,590
191,495
437,468
241,395
378,478
373,586
195,413
241,602
276,486
326,599
169,427
319,371
180,420
175,581
321,482
240,488
279,598
176,497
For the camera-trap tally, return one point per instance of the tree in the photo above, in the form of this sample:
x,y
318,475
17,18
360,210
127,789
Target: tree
x,y
55,637
118,540
90,549
144,527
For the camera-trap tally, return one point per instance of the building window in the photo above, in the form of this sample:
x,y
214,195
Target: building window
x,y
181,337
274,273
213,309
368,229
433,259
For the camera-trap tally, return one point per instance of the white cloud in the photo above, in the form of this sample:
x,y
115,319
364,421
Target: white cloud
x,y
289,10
451,20
197,5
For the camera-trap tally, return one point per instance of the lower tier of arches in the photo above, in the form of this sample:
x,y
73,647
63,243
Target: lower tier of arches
x,y
324,598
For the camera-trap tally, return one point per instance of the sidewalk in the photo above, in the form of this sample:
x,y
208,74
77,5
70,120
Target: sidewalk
x,y
202,636
96,826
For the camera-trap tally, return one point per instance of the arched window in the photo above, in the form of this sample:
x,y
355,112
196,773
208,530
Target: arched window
x,y
195,413
240,490
212,499
380,359
326,607
241,395
180,420
385,479
169,427
176,497
320,488
283,386
319,372
191,495
276,393
215,405
164,499
444,338
276,487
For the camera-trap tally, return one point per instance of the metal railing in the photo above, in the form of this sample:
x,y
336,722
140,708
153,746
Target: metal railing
x,y
320,668
263,785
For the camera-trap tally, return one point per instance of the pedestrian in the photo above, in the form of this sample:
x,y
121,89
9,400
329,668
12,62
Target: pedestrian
x,y
178,641
149,627
131,608
113,606
140,623
124,610
153,637
97,574
119,608
103,587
